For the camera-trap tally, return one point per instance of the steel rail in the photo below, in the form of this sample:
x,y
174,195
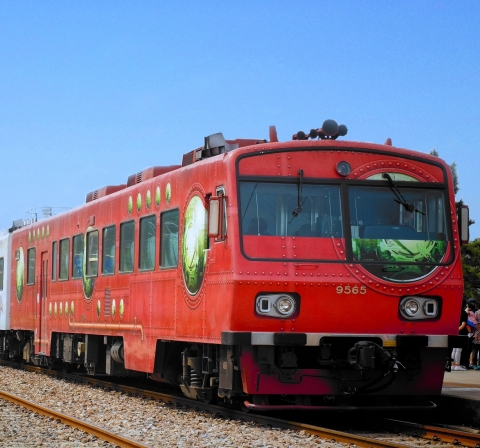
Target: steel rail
x,y
453,385
437,433
90,428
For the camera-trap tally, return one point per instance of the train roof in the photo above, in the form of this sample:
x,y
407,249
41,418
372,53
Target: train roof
x,y
215,145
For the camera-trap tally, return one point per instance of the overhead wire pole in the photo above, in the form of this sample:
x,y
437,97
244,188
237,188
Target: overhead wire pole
x,y
46,210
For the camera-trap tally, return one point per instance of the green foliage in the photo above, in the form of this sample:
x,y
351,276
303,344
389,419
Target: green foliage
x,y
456,185
471,269
453,167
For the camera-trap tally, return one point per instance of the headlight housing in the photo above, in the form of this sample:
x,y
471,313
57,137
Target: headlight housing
x,y
277,305
419,308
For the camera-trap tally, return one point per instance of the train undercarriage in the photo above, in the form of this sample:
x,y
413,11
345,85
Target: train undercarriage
x,y
342,373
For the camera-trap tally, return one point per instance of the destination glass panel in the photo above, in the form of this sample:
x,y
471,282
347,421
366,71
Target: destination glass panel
x,y
127,246
108,262
2,263
147,243
77,260
31,266
92,253
64,258
54,261
169,239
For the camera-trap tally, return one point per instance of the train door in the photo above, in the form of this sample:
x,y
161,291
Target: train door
x,y
42,305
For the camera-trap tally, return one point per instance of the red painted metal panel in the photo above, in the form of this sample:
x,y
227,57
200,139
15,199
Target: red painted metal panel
x,y
321,163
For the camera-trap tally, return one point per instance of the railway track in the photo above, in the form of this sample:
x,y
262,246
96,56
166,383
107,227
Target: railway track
x,y
435,433
394,433
97,431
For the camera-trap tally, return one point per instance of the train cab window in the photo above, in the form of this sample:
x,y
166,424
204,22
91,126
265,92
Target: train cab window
x,y
77,256
108,256
92,254
377,214
275,209
169,239
2,262
31,266
127,246
64,258
54,261
397,240
147,243
296,218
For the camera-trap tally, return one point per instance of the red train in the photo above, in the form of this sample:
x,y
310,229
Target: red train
x,y
308,274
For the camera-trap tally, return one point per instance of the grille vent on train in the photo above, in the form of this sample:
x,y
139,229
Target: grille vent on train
x,y
104,191
149,173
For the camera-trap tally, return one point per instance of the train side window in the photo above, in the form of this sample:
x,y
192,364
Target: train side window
x,y
64,258
108,255
31,266
169,239
54,261
92,254
147,243
2,263
77,256
127,246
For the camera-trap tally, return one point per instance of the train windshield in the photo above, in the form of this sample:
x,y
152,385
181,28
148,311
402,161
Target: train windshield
x,y
279,209
398,230
398,234
290,221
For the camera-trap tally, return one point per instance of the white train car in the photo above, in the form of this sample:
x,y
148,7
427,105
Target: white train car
x,y
5,263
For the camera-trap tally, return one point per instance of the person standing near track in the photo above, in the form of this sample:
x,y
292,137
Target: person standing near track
x,y
474,333
457,352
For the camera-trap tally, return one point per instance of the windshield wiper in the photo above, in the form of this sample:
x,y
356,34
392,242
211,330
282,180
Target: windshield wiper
x,y
400,199
249,199
300,203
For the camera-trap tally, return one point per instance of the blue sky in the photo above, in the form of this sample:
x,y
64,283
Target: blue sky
x,y
92,92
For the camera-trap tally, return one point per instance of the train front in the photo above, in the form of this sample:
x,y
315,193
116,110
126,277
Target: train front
x,y
348,277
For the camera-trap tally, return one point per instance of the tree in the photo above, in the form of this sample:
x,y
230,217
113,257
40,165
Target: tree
x,y
453,167
471,269
471,251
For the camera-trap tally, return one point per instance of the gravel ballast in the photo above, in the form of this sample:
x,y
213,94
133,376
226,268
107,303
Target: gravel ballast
x,y
149,422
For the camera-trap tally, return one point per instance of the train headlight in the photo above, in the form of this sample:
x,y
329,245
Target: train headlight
x,y
412,307
420,308
285,305
278,305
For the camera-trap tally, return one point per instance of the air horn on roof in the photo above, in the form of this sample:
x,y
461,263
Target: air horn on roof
x,y
330,130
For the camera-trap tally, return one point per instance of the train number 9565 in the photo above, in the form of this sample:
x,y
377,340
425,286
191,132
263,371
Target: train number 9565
x,y
348,289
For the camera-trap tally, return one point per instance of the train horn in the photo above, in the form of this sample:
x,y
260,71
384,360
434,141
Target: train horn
x,y
329,130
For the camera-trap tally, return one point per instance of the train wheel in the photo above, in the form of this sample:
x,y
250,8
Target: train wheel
x,y
67,367
261,399
52,363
